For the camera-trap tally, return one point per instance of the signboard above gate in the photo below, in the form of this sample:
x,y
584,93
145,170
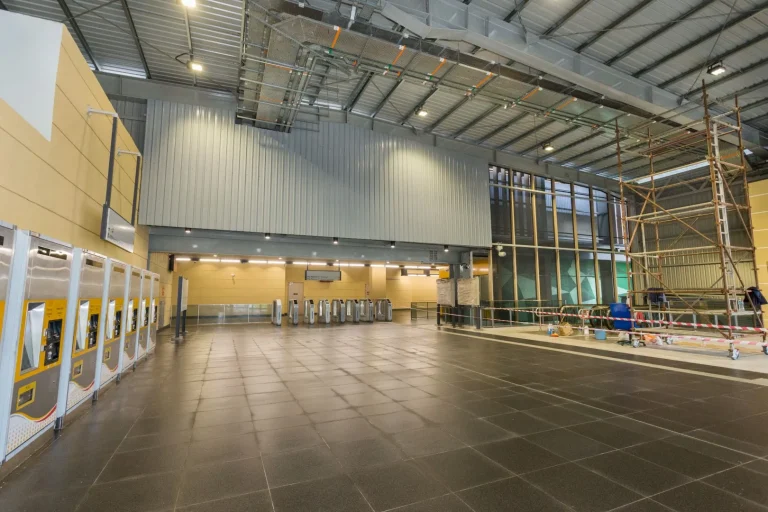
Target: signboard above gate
x,y
322,275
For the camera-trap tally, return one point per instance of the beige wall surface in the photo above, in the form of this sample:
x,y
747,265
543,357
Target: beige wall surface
x,y
758,196
57,188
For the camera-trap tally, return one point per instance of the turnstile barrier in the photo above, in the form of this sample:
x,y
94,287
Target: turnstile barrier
x,y
384,310
338,311
367,313
353,310
277,312
324,311
293,312
309,311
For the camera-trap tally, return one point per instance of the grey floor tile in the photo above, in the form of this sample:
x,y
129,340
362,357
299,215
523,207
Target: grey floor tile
x,y
367,452
253,502
394,485
426,441
696,497
396,421
520,423
681,460
634,473
293,438
568,444
461,469
346,430
153,492
508,495
337,494
286,468
223,449
610,434
742,481
221,480
447,503
144,462
519,455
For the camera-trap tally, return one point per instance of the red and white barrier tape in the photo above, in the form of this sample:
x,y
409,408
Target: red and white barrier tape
x,y
637,320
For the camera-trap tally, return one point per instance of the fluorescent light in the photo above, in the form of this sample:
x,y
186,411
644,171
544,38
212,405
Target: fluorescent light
x,y
229,261
298,263
183,259
392,266
417,275
319,264
672,172
377,265
342,264
258,262
209,260
424,267
189,3
411,266
716,69
195,66
356,264
276,262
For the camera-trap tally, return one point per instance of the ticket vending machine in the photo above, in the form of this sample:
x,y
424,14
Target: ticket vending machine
x,y
31,359
82,374
366,310
132,310
309,311
353,311
143,329
324,311
154,309
277,312
114,333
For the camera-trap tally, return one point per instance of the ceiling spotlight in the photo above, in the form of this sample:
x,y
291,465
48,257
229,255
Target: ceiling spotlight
x,y
445,248
548,147
187,230
421,112
335,240
194,66
189,3
716,69
392,244
267,236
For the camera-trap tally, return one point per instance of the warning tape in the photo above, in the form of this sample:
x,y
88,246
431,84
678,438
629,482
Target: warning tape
x,y
638,320
671,336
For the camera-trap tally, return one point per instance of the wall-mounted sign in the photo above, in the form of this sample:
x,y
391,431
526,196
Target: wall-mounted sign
x,y
322,275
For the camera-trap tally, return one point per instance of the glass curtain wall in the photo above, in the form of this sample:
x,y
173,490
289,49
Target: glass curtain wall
x,y
555,243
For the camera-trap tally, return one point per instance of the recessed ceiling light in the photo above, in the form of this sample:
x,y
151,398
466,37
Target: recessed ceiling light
x,y
716,69
445,248
392,244
187,230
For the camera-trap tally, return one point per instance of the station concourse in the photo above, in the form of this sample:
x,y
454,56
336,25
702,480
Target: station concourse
x,y
376,256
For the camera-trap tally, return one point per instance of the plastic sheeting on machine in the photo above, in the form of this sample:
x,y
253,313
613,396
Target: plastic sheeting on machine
x,y
445,292
277,312
468,291
324,311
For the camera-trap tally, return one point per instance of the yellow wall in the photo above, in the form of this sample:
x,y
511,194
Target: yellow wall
x,y
212,283
758,195
58,187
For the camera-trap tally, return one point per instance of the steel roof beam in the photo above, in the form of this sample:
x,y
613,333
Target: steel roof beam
x,y
386,98
447,114
615,23
716,58
757,119
517,10
79,33
565,19
421,104
135,35
358,91
696,42
476,120
524,135
664,28
189,42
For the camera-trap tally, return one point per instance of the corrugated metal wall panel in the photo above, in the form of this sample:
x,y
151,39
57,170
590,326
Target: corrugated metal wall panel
x,y
203,171
133,114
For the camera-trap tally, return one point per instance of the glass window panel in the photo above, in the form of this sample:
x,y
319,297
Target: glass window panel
x,y
568,284
545,220
588,283
602,221
622,277
564,214
583,216
618,222
605,267
526,276
501,219
548,277
523,217
499,175
503,276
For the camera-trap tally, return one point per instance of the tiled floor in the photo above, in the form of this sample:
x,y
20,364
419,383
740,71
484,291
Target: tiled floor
x,y
397,417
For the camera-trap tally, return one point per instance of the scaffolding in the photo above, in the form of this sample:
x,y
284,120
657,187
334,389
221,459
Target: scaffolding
x,y
688,236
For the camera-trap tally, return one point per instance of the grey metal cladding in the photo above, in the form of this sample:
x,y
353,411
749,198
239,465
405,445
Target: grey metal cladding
x,y
203,171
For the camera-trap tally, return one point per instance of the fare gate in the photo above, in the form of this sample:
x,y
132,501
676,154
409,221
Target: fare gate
x,y
338,311
384,310
293,312
309,311
324,311
353,311
277,312
367,313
